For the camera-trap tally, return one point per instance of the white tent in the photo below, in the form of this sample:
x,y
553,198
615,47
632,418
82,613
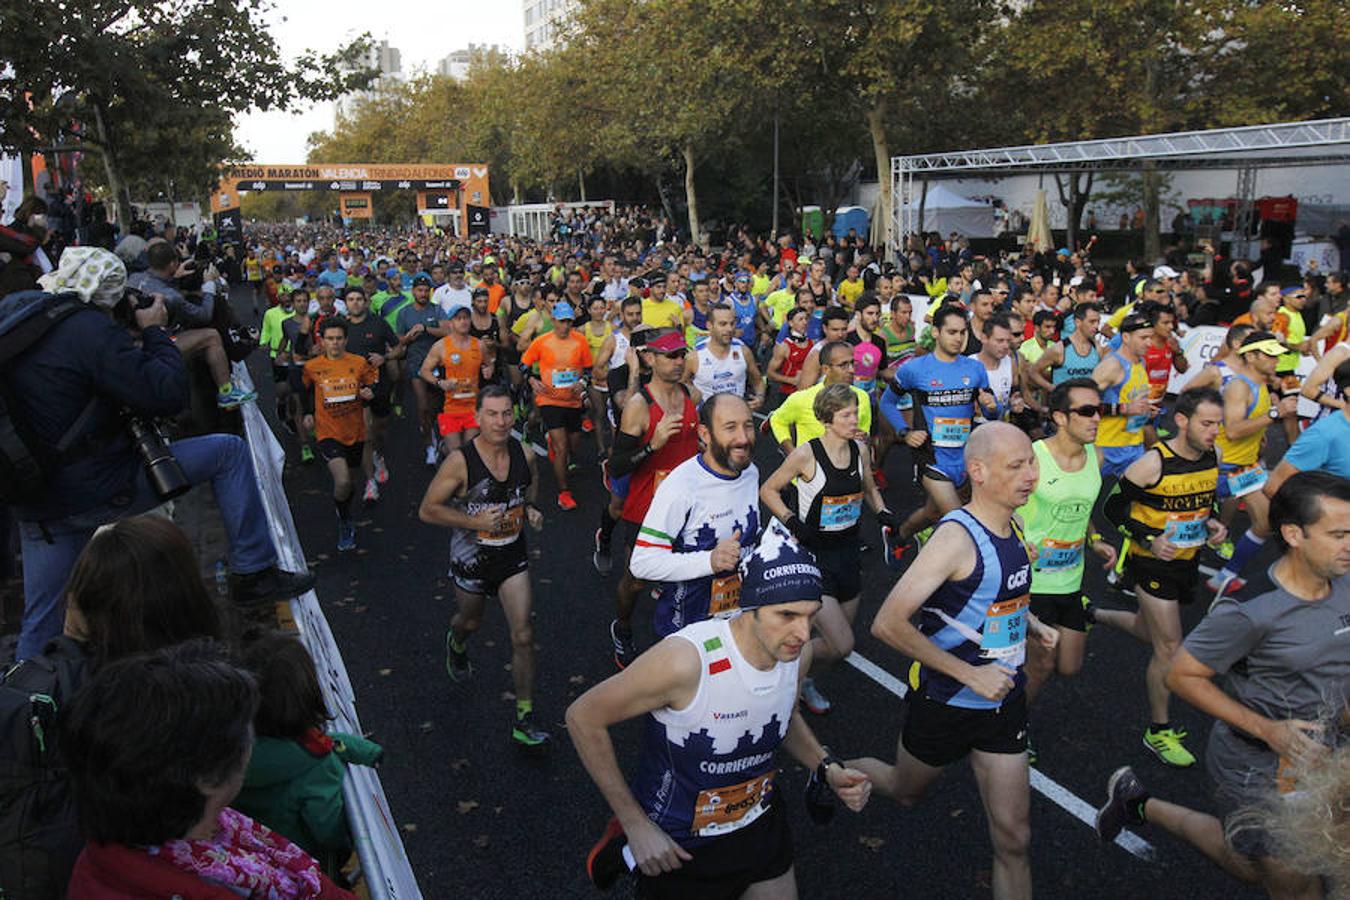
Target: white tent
x,y
945,211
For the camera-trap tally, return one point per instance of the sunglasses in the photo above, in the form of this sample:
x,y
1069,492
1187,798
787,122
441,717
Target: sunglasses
x,y
675,354
1087,412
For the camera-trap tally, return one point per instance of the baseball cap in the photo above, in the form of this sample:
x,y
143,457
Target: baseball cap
x,y
481,291
778,570
667,342
1134,322
563,310
1165,272
422,279
456,306
1262,342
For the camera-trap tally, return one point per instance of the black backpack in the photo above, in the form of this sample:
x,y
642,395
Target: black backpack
x,y
39,834
26,461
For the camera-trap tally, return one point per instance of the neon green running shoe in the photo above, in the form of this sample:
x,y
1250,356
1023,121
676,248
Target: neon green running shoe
x,y
526,731
306,454
1225,551
1167,746
922,537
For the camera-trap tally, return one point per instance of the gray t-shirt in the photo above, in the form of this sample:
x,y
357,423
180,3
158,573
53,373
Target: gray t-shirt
x,y
411,316
1284,657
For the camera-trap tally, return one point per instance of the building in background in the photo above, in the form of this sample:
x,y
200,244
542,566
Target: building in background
x,y
543,19
385,60
456,65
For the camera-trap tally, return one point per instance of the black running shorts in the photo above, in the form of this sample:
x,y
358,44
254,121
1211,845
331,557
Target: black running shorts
x,y
725,867
840,567
330,450
938,735
1166,579
1065,610
555,417
492,567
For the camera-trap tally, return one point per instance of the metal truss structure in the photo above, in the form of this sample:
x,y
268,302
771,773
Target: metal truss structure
x,y
1246,149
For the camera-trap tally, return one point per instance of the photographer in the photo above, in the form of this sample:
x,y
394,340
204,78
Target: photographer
x,y
86,385
189,319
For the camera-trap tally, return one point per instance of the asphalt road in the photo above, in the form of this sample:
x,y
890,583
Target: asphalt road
x,y
481,818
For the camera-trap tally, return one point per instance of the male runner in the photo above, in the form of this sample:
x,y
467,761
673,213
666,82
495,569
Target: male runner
x,y
271,337
485,491
1126,407
611,361
371,338
1057,525
465,365
1323,445
336,385
832,477
703,817
1164,502
1075,356
702,514
834,327
420,325
945,386
789,354
1162,354
1280,643
1247,413
968,588
564,360
723,363
1000,369
794,421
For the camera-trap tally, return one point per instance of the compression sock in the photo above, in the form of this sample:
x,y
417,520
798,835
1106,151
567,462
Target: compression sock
x,y
344,508
1247,546
607,525
524,708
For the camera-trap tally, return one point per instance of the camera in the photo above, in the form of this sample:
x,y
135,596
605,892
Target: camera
x,y
166,475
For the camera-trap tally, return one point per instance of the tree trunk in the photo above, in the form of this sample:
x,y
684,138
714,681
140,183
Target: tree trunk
x,y
515,191
876,125
116,187
581,184
665,201
923,203
1151,184
696,235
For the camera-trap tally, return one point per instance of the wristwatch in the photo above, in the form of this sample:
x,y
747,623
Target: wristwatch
x,y
1273,413
829,760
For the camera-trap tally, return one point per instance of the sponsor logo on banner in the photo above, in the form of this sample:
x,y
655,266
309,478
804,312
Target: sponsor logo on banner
x,y
480,171
462,171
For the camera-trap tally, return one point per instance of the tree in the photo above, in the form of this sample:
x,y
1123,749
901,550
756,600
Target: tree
x,y
152,86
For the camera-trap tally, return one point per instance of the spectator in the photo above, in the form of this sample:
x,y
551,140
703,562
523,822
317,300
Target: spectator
x,y
294,780
22,259
76,386
154,793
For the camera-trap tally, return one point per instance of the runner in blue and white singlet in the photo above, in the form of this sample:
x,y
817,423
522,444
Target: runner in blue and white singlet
x,y
944,393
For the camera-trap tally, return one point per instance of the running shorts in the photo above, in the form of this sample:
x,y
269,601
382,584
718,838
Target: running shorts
x,y
330,450
938,735
926,462
725,867
1166,579
454,423
1065,610
280,374
840,568
491,568
555,417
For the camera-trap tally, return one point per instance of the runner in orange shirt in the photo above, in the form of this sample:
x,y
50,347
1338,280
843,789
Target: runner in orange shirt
x,y
465,364
338,384
564,360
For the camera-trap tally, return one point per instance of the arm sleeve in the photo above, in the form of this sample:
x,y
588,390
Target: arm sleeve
x,y
150,379
890,408
654,559
1224,636
626,447
1116,509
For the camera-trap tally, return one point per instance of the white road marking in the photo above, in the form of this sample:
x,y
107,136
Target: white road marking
x,y
1040,782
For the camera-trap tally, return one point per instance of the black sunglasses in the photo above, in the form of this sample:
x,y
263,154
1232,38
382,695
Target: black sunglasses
x,y
675,354
1086,412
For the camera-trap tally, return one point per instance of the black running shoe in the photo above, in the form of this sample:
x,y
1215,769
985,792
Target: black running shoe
x,y
526,731
457,664
624,649
1125,798
271,585
605,863
601,558
819,800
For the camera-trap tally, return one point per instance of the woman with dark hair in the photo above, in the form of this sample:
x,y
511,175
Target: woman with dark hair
x,y
134,588
20,243
153,791
294,781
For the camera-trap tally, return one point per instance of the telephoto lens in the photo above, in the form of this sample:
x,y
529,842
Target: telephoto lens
x,y
166,475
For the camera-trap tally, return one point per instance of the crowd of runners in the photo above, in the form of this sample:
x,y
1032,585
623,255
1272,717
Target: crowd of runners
x,y
1025,400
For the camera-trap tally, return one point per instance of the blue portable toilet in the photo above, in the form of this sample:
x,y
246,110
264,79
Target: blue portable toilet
x,y
846,217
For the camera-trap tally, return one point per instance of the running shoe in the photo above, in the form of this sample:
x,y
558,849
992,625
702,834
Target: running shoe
x,y
346,537
603,563
1223,583
605,863
587,425
372,492
625,651
1089,614
288,424
813,699
899,553
566,501
270,585
431,454
234,397
306,453
819,800
1167,746
526,731
398,410
1125,798
457,664
381,470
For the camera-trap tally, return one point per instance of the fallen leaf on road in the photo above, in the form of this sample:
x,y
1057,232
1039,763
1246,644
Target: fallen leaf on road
x,y
545,580
348,599
489,643
466,806
577,679
956,813
871,843
507,695
360,609
386,671
481,841
458,764
426,726
498,809
506,668
410,827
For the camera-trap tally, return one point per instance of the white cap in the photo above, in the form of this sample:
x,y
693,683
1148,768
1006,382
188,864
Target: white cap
x,y
1165,272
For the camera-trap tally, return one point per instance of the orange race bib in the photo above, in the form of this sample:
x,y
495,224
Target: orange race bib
x,y
507,532
725,594
724,809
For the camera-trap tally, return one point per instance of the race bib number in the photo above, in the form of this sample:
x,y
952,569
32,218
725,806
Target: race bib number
x,y
840,513
461,388
726,594
565,378
1246,480
950,432
725,809
1057,556
1005,632
866,385
506,533
1186,530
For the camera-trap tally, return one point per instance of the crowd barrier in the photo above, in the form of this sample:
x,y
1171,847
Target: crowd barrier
x,y
388,874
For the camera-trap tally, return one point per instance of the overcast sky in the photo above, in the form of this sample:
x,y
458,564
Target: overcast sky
x,y
422,31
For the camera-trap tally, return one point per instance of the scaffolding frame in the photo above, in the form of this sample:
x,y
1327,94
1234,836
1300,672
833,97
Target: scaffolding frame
x,y
1246,149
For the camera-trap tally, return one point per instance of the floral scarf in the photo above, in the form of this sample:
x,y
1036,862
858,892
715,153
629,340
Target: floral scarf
x,y
247,857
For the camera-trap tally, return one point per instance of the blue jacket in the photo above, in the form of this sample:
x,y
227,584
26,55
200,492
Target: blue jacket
x,y
84,355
